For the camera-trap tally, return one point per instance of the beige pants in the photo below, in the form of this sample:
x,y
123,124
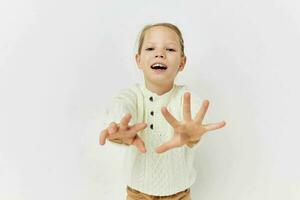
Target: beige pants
x,y
136,195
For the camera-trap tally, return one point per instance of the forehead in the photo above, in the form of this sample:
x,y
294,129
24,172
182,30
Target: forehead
x,y
161,34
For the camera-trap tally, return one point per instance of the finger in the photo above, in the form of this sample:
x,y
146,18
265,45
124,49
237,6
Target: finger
x,y
137,127
187,107
167,146
112,128
214,126
201,113
169,117
103,136
124,122
138,142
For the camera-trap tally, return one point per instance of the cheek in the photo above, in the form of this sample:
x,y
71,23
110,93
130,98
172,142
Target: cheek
x,y
144,57
175,58
176,63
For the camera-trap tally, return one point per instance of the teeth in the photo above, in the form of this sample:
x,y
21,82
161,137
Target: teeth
x,y
158,65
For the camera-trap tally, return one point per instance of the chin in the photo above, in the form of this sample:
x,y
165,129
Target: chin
x,y
159,81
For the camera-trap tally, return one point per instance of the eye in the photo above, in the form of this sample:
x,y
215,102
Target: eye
x,y
149,49
170,49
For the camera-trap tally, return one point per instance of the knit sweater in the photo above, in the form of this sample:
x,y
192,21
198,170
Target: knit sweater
x,y
152,173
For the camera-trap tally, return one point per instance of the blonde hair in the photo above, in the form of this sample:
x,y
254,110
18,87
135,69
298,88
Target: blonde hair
x,y
168,25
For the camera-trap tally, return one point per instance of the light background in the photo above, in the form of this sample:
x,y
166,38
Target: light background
x,y
62,61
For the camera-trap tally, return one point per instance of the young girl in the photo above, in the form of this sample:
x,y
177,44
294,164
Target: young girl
x,y
158,121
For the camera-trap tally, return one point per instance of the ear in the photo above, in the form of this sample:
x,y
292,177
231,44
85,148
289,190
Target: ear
x,y
182,63
138,59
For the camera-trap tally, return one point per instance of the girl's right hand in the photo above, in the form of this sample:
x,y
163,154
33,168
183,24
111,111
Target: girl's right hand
x,y
122,131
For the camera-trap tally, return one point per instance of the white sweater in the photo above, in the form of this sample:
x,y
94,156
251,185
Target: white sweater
x,y
152,173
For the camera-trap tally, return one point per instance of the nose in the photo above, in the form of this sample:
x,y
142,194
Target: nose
x,y
159,53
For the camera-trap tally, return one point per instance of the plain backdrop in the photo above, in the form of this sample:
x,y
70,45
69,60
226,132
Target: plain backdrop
x,y
61,62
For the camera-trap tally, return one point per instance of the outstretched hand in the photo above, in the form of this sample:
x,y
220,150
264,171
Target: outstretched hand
x,y
124,133
189,130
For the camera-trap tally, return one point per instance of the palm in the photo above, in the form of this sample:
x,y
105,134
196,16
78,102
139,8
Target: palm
x,y
184,130
189,130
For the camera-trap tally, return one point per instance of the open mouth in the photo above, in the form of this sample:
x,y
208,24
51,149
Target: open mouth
x,y
159,66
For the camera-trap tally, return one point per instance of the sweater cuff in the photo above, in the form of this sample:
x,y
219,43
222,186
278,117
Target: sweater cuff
x,y
118,141
193,143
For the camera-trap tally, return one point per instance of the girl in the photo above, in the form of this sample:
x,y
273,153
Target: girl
x,y
158,121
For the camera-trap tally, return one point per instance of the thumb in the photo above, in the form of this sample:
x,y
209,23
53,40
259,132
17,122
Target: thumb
x,y
167,146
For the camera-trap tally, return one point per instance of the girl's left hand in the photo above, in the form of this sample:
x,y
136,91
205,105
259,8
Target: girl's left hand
x,y
189,130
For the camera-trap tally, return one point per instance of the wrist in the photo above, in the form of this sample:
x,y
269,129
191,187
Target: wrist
x,y
192,143
118,141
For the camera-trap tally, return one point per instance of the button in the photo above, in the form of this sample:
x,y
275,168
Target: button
x,y
151,98
152,113
151,126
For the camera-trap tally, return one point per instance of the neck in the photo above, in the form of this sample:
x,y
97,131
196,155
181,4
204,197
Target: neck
x,y
159,89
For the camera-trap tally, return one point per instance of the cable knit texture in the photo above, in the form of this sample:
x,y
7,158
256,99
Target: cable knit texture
x,y
152,173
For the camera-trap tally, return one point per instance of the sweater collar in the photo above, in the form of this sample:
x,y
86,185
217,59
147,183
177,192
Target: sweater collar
x,y
162,98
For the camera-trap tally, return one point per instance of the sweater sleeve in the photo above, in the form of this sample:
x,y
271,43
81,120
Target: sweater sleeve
x,y
124,103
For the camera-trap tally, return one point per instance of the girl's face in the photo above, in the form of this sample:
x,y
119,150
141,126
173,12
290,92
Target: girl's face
x,y
161,57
